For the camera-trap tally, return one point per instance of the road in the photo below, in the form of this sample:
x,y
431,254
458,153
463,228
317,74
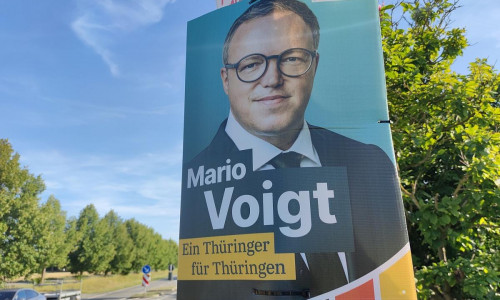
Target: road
x,y
161,284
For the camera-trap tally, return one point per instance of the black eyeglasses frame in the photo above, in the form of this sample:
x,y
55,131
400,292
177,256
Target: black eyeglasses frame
x,y
235,66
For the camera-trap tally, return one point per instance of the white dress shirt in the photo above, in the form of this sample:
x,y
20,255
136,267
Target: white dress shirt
x,y
263,152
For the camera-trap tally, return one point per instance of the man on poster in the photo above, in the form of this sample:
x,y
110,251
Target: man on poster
x,y
270,60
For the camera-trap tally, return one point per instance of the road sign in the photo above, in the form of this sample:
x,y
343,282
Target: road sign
x,y
146,269
146,278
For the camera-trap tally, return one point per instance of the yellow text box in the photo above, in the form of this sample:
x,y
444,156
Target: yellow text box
x,y
234,257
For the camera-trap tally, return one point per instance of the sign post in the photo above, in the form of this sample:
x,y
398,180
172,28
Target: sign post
x,y
170,270
146,278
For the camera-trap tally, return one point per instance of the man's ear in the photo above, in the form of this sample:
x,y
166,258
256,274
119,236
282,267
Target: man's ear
x,y
317,62
224,78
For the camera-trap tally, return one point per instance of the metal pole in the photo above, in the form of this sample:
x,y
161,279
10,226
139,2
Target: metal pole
x,y
60,289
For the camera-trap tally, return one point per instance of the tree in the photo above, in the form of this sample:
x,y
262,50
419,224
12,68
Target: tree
x,y
94,249
122,243
52,248
144,242
139,235
19,192
171,250
445,131
73,237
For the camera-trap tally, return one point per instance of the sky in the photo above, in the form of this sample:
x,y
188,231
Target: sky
x,y
92,97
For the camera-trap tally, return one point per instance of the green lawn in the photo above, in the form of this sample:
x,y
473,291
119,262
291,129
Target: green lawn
x,y
90,284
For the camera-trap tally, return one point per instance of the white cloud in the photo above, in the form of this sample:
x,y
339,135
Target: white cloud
x,y
161,188
100,22
88,33
146,187
128,15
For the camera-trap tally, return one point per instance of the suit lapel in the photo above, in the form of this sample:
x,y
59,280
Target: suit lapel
x,y
327,147
222,144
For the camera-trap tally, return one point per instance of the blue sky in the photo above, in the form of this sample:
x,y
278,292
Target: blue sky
x,y
92,95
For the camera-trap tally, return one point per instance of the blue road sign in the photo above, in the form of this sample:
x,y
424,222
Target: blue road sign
x,y
146,269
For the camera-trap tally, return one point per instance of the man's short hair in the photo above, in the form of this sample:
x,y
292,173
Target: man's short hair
x,y
266,7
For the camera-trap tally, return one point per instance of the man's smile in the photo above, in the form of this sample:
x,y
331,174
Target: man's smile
x,y
272,99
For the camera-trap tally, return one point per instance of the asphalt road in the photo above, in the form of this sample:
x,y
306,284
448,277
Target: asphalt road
x,y
138,291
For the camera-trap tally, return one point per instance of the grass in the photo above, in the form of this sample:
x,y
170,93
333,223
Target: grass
x,y
90,284
101,284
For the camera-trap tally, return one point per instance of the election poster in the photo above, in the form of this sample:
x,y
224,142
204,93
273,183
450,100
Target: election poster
x,y
289,184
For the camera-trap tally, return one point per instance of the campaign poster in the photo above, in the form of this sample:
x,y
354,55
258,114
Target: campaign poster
x,y
289,184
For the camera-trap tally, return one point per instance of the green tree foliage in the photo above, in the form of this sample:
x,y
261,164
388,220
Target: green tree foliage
x,y
165,253
111,245
19,192
150,248
171,251
52,248
128,245
445,131
73,236
122,243
94,250
142,238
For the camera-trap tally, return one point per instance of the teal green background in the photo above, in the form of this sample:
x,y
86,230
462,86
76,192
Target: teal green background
x,y
349,94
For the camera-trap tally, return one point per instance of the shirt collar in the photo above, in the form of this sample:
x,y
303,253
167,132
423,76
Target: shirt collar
x,y
264,151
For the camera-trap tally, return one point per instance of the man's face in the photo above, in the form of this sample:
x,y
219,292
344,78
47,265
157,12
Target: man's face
x,y
275,104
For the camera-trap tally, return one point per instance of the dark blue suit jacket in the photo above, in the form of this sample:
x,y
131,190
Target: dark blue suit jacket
x,y
377,216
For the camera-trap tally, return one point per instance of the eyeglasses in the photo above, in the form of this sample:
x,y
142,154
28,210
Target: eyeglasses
x,y
292,63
